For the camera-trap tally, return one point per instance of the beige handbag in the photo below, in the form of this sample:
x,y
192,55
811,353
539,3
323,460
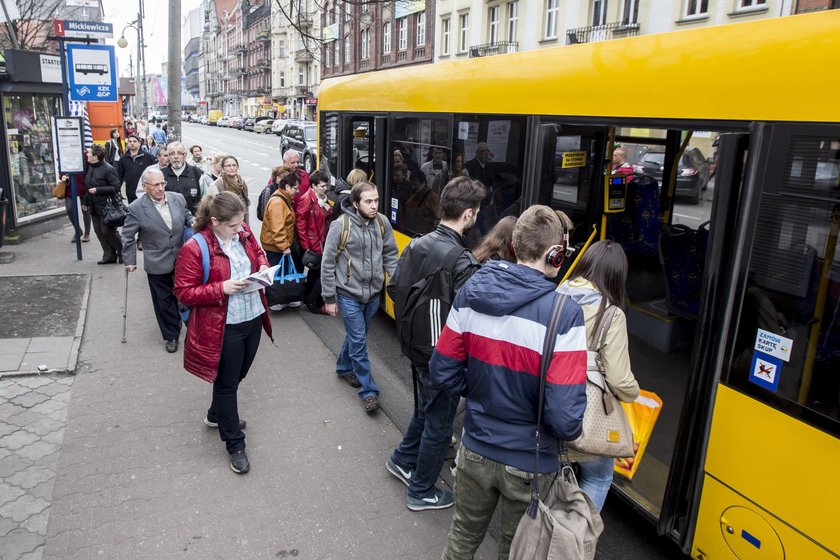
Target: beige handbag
x,y
606,432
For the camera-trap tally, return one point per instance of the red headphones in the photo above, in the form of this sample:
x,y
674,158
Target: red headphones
x,y
557,253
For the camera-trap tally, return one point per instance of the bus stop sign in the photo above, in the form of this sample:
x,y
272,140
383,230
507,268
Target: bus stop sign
x,y
92,72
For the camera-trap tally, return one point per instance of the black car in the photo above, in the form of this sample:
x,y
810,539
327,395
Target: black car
x,y
693,172
301,136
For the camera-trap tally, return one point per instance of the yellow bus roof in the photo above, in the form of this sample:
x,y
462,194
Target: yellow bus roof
x,y
778,69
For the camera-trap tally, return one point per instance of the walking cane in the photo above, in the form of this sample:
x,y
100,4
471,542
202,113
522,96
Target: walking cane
x,y
125,305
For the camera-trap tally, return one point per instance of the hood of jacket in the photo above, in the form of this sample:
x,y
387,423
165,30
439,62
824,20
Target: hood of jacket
x,y
341,185
500,288
581,290
348,208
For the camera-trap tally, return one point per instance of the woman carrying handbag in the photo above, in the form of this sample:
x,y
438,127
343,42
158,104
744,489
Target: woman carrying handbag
x,y
598,286
103,191
278,232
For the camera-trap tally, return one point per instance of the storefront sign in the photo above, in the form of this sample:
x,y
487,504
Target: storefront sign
x,y
95,29
92,72
311,101
50,68
71,148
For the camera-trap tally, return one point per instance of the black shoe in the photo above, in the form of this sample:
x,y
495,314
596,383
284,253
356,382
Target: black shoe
x,y
104,261
351,379
370,404
119,259
239,462
172,345
211,424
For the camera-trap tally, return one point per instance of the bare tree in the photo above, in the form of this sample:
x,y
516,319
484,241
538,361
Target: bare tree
x,y
34,25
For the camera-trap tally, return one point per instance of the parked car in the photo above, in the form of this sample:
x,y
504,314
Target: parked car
x,y
223,121
301,136
202,119
237,122
248,124
278,125
693,172
263,126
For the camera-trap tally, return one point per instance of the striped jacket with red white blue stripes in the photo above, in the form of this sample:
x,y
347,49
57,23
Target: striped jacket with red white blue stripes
x,y
490,352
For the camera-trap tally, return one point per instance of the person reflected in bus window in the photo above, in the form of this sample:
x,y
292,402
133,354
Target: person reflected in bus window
x,y
398,158
400,188
436,170
409,155
497,245
619,162
599,282
422,208
458,168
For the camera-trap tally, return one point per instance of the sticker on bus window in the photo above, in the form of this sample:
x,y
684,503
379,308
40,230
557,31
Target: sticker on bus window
x,y
773,344
765,371
395,203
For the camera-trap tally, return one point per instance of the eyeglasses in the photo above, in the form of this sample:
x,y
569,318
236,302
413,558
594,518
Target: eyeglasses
x,y
230,165
161,184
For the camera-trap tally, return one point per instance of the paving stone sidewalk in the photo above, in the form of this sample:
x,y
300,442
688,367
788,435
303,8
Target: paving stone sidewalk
x,y
138,476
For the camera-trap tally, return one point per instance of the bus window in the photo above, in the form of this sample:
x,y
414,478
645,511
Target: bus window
x,y
492,151
361,130
419,171
329,145
793,291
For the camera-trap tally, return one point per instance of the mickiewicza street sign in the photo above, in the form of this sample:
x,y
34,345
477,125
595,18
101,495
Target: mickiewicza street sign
x,y
92,72
92,29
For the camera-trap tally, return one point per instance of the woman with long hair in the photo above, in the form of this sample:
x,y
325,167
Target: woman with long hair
x,y
599,282
151,146
497,244
225,321
231,181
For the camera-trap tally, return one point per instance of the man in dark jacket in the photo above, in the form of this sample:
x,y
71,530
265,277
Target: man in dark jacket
x,y
489,351
418,459
182,177
131,166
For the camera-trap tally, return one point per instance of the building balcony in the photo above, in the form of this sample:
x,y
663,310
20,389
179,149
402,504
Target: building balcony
x,y
596,33
305,21
258,92
264,35
303,55
264,64
364,64
489,49
301,90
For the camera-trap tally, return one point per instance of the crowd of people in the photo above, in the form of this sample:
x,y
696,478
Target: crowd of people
x,y
189,217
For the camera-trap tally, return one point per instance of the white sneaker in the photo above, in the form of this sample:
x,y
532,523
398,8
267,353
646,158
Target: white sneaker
x,y
293,304
277,307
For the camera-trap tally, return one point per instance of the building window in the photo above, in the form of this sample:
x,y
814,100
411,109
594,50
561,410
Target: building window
x,y
365,40
746,4
365,7
599,12
493,24
336,53
463,32
513,20
446,26
301,76
281,48
552,10
386,38
697,8
631,11
327,55
346,49
403,33
282,79
421,29
346,11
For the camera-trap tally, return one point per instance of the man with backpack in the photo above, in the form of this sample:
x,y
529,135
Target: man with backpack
x,y
358,251
429,273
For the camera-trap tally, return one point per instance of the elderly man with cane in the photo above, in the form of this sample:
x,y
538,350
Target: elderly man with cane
x,y
159,219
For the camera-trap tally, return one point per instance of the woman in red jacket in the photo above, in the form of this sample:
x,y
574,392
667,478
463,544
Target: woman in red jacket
x,y
312,220
224,325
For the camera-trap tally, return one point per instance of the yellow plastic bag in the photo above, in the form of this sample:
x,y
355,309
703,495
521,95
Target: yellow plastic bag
x,y
641,414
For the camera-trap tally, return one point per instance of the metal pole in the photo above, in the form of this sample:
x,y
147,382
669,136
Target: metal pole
x,y
65,101
174,73
142,40
125,305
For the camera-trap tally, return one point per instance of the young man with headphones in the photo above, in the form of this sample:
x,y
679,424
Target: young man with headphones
x,y
489,352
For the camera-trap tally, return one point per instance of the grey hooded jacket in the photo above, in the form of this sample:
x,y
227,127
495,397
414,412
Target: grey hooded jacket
x,y
368,255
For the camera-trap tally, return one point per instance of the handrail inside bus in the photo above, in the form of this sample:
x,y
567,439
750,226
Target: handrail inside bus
x,y
582,251
672,184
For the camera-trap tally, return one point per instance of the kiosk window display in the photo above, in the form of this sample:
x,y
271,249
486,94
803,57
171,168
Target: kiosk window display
x,y
29,137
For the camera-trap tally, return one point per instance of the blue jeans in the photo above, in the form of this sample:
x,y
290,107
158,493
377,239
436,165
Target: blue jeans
x,y
353,356
423,449
596,476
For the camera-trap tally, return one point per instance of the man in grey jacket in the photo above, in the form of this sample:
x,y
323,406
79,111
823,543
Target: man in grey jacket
x,y
159,218
359,250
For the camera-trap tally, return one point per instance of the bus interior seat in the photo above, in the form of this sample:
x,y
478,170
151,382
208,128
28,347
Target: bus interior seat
x,y
682,252
637,228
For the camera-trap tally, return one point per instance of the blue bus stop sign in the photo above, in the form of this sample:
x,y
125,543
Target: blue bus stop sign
x,y
92,72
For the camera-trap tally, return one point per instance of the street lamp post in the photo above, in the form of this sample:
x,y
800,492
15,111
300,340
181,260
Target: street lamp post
x,y
141,45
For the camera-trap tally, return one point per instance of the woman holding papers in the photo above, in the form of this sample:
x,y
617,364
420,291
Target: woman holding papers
x,y
224,329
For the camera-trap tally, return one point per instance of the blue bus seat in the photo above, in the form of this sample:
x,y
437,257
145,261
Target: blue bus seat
x,y
682,252
637,228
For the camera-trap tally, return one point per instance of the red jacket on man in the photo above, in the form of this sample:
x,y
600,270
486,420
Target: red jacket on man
x,y
203,345
312,222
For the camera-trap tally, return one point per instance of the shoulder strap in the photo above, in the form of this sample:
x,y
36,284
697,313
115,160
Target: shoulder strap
x,y
205,257
381,221
289,204
547,353
345,235
603,327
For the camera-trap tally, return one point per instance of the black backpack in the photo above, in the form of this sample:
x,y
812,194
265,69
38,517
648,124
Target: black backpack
x,y
264,196
422,313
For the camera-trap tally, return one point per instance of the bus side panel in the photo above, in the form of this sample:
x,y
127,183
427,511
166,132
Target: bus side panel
x,y
402,242
784,470
766,538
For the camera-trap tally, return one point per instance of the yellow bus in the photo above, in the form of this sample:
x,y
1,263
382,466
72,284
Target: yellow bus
x,y
730,221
